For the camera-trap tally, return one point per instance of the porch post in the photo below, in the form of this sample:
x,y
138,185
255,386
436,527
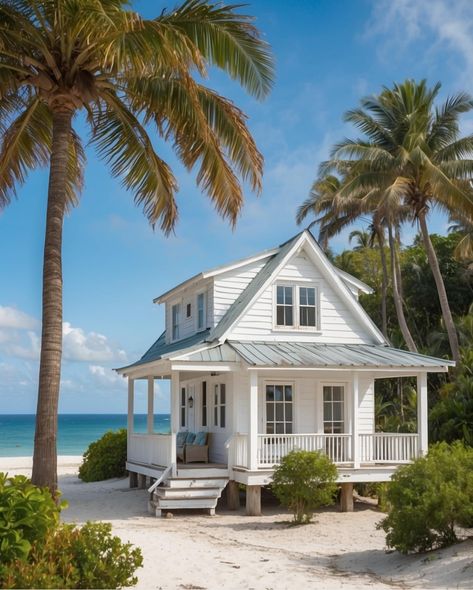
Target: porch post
x,y
253,430
131,403
174,419
422,414
150,421
354,424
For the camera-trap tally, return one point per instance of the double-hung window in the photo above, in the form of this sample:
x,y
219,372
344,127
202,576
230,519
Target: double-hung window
x,y
279,418
296,306
175,320
333,397
200,311
307,307
284,305
220,405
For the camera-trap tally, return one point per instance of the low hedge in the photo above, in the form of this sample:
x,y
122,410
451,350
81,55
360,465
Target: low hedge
x,y
105,458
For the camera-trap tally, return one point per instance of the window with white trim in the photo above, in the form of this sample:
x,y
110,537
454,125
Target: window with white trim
x,y
307,307
284,305
200,311
220,400
279,412
204,403
333,396
175,313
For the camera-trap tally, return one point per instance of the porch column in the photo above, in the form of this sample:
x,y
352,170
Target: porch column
x,y
253,430
131,404
354,421
422,413
174,419
346,497
253,500
150,421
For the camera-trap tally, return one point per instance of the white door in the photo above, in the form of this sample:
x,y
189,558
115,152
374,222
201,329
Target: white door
x,y
191,404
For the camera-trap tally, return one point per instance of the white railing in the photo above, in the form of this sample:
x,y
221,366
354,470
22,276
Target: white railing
x,y
386,447
273,447
150,449
237,446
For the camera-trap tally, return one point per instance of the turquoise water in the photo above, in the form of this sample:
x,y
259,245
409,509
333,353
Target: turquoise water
x,y
75,431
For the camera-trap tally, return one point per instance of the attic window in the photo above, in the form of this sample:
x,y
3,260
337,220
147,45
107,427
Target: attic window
x,y
284,306
297,307
200,311
175,321
188,310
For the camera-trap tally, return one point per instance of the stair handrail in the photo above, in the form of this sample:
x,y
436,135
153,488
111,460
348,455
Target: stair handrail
x,y
161,478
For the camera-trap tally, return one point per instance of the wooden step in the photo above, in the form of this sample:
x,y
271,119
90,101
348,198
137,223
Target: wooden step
x,y
197,482
168,493
189,503
201,472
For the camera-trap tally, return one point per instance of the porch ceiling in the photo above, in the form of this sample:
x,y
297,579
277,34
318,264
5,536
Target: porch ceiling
x,y
302,354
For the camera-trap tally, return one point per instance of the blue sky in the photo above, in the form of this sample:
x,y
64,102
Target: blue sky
x,y
328,55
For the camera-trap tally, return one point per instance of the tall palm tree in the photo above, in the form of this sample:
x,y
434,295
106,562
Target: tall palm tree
x,y
364,239
412,155
132,78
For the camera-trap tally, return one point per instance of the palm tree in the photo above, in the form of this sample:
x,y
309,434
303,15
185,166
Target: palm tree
x,y
412,155
364,239
130,76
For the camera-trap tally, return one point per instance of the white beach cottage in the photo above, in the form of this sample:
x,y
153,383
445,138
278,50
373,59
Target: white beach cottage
x,y
265,355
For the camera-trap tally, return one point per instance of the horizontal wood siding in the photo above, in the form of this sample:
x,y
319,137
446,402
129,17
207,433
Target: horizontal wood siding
x,y
228,287
338,325
187,326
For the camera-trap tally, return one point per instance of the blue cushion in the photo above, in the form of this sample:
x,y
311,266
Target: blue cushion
x,y
181,439
190,438
200,438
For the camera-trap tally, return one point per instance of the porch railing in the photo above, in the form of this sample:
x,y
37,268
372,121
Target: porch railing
x,y
384,447
273,447
150,449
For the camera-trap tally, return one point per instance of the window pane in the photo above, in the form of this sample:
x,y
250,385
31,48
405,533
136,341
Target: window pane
x,y
269,428
183,416
288,295
280,295
327,394
270,393
327,412
311,316
289,412
288,427
222,393
278,393
337,411
222,416
279,412
216,416
183,397
269,411
310,296
289,320
303,296
279,428
338,393
288,393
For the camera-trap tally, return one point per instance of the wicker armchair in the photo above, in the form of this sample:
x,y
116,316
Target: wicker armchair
x,y
197,453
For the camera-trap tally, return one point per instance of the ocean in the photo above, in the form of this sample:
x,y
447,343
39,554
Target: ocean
x,y
75,431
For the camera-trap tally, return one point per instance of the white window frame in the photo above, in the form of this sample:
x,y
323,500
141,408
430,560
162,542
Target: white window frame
x,y
204,319
267,382
295,285
217,405
347,391
177,304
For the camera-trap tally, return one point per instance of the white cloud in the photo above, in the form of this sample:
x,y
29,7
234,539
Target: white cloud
x,y
446,25
13,318
106,376
89,346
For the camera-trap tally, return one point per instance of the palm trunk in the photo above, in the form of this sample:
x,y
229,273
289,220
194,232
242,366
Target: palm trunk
x,y
384,283
397,298
397,243
442,293
45,452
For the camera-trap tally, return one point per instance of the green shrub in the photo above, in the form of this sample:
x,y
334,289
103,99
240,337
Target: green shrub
x,y
73,557
105,458
429,498
27,514
304,481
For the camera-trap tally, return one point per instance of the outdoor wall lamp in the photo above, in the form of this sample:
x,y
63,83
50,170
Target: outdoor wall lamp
x,y
191,402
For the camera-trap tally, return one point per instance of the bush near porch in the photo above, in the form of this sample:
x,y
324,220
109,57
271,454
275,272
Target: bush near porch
x,y
429,499
304,481
106,457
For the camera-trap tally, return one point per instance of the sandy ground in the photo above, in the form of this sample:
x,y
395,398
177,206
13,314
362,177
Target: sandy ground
x,y
230,550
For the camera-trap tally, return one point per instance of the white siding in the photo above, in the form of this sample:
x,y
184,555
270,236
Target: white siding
x,y
337,322
187,326
228,286
366,405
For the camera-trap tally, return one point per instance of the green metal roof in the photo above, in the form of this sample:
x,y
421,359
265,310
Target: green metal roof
x,y
309,354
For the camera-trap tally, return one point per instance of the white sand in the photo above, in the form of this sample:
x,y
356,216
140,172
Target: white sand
x,y
230,550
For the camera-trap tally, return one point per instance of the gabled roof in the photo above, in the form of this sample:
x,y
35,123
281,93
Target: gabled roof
x,y
218,270
265,275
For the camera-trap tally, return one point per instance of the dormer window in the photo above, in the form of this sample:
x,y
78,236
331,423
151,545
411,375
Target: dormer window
x,y
296,307
200,311
175,321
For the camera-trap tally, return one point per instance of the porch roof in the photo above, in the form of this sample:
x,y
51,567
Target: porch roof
x,y
307,354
